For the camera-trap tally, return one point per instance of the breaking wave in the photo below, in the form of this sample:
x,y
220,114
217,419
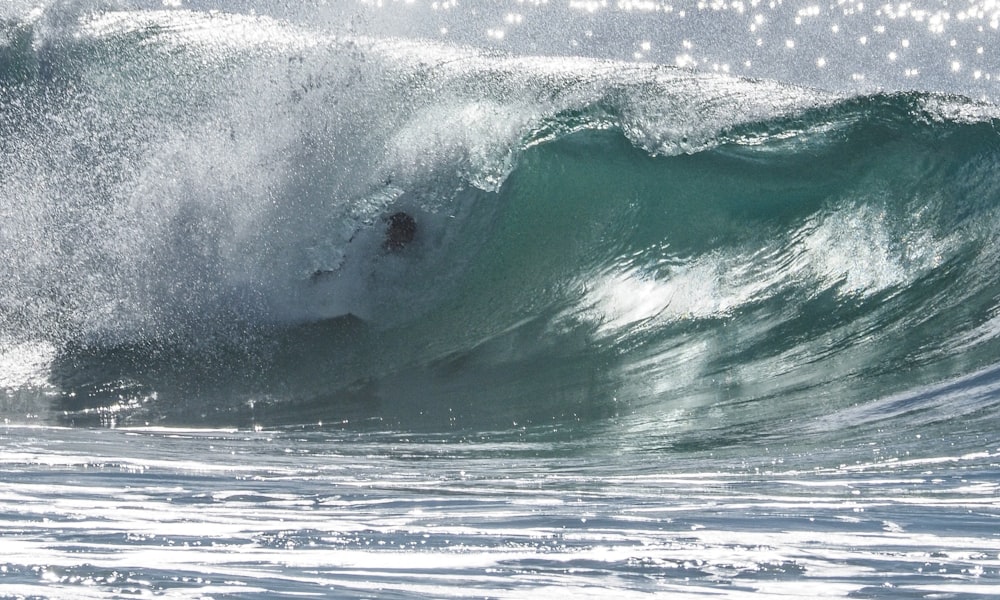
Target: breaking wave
x,y
595,240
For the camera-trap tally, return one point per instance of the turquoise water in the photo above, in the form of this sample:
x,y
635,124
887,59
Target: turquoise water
x,y
665,327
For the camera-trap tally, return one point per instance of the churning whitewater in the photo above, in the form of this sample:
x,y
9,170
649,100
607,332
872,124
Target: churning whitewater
x,y
298,303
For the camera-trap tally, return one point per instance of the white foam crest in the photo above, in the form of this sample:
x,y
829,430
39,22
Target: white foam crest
x,y
855,251
25,364
959,110
480,134
214,30
685,112
713,285
859,252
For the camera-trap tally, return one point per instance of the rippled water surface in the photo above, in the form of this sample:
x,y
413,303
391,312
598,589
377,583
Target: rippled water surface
x,y
281,514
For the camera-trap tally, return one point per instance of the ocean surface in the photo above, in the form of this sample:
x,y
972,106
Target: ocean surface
x,y
703,300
